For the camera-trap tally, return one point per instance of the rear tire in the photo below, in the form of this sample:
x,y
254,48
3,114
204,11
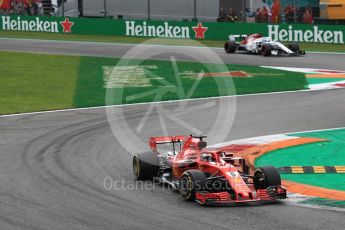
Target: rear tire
x,y
265,177
192,181
266,50
230,47
145,166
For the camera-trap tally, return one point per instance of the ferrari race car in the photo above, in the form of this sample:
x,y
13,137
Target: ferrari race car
x,y
256,44
205,175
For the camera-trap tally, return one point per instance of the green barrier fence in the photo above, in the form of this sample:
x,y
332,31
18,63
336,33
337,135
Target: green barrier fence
x,y
173,29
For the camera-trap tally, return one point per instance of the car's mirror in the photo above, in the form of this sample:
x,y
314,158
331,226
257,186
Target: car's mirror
x,y
202,145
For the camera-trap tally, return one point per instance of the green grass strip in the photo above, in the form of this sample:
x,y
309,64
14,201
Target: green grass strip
x,y
34,82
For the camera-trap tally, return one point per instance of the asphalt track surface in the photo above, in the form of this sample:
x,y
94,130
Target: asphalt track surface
x,y
311,60
53,166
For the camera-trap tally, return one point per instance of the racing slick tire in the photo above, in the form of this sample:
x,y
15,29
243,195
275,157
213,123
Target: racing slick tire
x,y
294,47
265,177
145,165
192,181
230,47
266,50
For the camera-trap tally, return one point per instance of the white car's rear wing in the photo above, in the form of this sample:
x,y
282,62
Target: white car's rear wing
x,y
233,37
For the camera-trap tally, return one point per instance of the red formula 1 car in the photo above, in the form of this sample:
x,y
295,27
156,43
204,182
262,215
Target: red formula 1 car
x,y
206,175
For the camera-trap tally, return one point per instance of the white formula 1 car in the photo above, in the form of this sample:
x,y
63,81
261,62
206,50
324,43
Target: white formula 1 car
x,y
258,44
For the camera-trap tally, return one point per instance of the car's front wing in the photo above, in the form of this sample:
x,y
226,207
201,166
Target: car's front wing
x,y
271,193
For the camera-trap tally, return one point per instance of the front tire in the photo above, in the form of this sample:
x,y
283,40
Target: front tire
x,y
230,47
294,47
192,181
266,50
265,177
145,165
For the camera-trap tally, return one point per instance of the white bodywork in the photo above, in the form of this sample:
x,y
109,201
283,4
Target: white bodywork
x,y
254,44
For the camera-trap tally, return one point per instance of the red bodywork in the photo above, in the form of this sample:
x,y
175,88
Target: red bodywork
x,y
223,163
251,38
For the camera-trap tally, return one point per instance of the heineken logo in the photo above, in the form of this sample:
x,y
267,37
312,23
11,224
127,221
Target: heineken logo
x,y
67,26
313,35
36,25
165,30
200,31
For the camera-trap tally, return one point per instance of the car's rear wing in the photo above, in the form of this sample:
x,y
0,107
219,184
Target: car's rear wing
x,y
154,141
236,37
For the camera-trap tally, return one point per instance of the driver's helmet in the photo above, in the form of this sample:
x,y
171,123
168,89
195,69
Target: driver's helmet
x,y
266,39
207,157
171,153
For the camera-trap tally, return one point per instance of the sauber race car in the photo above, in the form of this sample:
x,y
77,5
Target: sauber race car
x,y
205,175
258,44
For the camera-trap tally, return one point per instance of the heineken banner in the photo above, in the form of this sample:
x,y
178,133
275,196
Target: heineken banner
x,y
173,29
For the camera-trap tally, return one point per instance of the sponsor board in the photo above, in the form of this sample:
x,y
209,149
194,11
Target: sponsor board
x,y
313,34
164,29
36,24
173,29
143,29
